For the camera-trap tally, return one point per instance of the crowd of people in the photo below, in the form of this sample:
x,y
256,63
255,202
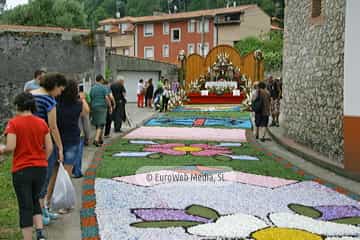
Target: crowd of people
x,y
51,127
147,96
265,100
58,111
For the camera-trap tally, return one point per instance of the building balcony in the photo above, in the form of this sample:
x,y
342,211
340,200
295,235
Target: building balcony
x,y
227,22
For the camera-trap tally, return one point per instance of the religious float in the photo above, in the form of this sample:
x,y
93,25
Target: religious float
x,y
223,77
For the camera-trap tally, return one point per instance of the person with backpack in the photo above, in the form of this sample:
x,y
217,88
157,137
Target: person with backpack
x,y
31,147
261,107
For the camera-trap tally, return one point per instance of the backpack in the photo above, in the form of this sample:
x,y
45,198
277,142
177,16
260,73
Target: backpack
x,y
257,104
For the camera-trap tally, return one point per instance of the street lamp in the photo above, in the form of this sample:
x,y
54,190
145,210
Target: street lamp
x,y
182,59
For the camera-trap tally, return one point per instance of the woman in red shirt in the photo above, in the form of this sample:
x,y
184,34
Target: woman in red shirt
x,y
28,137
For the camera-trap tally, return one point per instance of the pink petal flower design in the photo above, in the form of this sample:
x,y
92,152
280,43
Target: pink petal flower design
x,y
167,149
210,151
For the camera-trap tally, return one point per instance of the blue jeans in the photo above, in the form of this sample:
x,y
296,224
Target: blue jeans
x,y
77,165
52,161
71,152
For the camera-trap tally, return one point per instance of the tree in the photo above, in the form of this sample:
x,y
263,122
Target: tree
x,y
69,13
271,46
62,13
143,7
40,12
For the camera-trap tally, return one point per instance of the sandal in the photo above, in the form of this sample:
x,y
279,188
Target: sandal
x,y
97,144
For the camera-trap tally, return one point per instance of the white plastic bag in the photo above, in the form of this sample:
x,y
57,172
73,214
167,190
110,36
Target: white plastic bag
x,y
64,195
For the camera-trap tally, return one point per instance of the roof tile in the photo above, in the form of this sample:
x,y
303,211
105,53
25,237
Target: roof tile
x,y
42,29
182,15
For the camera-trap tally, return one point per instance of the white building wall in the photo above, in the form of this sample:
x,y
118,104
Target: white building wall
x,y
352,59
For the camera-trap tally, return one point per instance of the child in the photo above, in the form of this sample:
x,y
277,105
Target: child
x,y
29,139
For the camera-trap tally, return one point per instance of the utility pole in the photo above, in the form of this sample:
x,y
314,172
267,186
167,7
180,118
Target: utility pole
x,y
2,6
228,2
169,5
118,8
203,36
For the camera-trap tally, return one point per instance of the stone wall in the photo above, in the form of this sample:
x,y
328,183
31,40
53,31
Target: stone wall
x,y
21,53
313,75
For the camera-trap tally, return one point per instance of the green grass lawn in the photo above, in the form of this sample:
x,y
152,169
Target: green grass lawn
x,y
235,115
115,167
9,220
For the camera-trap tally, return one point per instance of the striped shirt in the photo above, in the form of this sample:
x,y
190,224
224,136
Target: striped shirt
x,y
44,104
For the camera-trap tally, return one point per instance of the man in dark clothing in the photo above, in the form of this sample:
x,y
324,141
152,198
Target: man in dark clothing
x,y
262,116
119,92
149,93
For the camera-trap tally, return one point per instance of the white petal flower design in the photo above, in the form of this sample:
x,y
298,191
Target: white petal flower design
x,y
285,226
343,238
295,221
232,226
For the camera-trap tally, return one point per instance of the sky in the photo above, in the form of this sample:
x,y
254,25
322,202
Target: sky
x,y
14,3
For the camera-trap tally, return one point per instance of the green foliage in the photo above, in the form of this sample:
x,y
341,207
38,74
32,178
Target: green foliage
x,y
61,13
271,7
69,13
97,10
142,8
87,13
108,73
271,46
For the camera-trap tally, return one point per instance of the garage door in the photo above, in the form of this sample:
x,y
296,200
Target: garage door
x,y
132,79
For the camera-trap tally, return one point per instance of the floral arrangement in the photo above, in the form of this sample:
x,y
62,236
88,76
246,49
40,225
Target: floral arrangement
x,y
197,85
194,87
177,98
258,55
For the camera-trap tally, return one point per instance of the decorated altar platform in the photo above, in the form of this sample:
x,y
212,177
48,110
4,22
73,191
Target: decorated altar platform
x,y
223,76
212,98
